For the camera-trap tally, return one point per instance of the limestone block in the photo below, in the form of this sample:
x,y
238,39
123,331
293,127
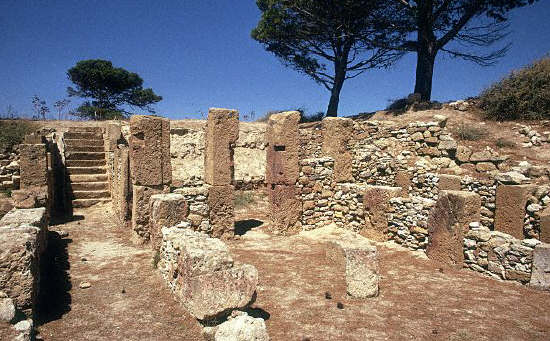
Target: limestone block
x,y
337,133
166,210
241,327
150,162
511,201
360,260
285,208
449,182
376,203
221,211
6,204
140,210
545,226
30,197
403,180
283,148
120,184
33,165
7,308
540,275
34,217
222,132
113,134
448,222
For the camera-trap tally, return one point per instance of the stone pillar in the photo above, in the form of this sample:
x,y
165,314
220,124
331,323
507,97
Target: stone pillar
x,y
222,132
511,201
449,182
337,133
448,222
403,180
166,210
376,201
150,168
33,165
282,170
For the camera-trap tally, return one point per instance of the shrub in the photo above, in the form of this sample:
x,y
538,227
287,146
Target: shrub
x,y
469,132
312,118
243,199
524,94
13,132
504,143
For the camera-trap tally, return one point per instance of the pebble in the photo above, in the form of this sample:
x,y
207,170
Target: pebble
x,y
85,285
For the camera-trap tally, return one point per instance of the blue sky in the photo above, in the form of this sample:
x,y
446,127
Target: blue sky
x,y
198,54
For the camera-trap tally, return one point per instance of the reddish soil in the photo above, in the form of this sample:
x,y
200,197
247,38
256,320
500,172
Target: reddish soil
x,y
127,300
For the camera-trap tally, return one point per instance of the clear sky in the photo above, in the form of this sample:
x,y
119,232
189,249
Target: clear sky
x,y
198,54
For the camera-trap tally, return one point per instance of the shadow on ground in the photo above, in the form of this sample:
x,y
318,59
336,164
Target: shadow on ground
x,y
243,226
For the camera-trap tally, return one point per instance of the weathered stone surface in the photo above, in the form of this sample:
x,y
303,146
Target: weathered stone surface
x,y
222,132
30,197
283,148
511,201
463,154
221,210
540,272
403,180
376,202
337,133
511,178
285,208
33,165
34,217
112,135
7,308
241,327
141,210
545,226
150,150
166,210
449,182
6,204
448,222
361,263
120,184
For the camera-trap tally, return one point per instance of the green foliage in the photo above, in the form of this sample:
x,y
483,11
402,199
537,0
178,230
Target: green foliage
x,y
13,132
523,95
244,199
470,132
109,88
505,143
312,118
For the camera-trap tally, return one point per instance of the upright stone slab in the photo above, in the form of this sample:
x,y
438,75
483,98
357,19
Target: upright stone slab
x,y
141,211
113,134
166,210
283,148
449,182
150,162
545,226
221,211
511,201
285,208
448,222
403,180
33,165
337,133
120,184
222,132
540,272
376,203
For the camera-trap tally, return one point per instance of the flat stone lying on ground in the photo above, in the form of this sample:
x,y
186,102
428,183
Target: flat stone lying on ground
x,y
207,281
540,275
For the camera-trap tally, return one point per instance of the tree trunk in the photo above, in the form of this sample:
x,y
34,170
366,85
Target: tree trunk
x,y
339,78
424,73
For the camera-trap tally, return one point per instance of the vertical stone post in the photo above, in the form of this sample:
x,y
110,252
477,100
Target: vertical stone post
x,y
511,202
376,201
222,132
282,170
448,222
337,133
35,183
150,169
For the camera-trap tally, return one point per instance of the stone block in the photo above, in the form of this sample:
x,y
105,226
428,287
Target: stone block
x,y
449,182
34,138
222,132
376,201
166,210
150,162
33,217
448,222
120,184
31,197
540,272
221,211
403,180
141,196
511,201
360,260
6,205
545,226
113,134
337,133
33,165
285,208
241,327
283,148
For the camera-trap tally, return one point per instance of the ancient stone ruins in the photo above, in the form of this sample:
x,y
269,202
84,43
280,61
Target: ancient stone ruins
x,y
173,183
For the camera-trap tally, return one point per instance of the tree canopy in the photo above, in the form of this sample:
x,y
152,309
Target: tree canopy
x,y
328,40
471,24
111,90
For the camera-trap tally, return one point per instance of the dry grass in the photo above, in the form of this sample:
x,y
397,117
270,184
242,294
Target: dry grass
x,y
470,132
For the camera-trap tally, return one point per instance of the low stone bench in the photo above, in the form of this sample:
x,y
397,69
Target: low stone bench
x,y
201,272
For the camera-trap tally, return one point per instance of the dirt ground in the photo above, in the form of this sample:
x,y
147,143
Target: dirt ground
x,y
128,300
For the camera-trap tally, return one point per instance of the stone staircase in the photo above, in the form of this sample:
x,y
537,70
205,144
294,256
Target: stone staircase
x,y
86,166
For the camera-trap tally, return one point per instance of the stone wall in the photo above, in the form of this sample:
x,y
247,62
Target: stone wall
x,y
9,169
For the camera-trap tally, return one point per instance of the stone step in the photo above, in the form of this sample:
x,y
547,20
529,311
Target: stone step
x,y
87,170
83,136
85,163
81,203
93,149
82,142
85,155
90,186
77,178
91,194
